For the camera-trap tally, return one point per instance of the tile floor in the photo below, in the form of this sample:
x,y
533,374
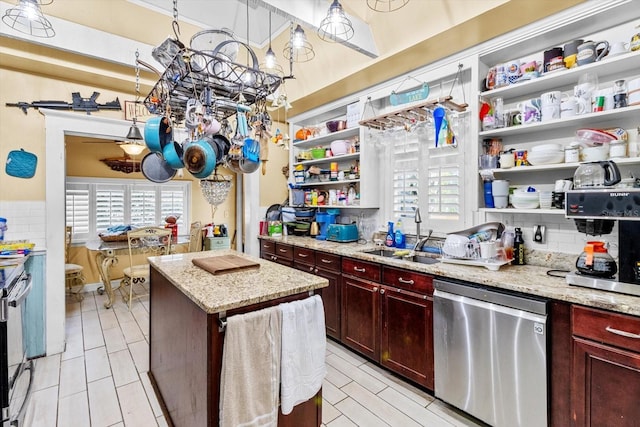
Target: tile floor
x,y
101,380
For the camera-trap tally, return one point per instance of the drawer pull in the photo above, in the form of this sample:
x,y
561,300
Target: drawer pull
x,y
359,270
266,246
303,255
326,261
406,282
622,333
282,250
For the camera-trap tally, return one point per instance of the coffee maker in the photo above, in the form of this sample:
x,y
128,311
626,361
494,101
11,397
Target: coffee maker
x,y
595,211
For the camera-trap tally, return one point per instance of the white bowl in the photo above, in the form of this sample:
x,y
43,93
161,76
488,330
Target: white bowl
x,y
595,154
456,245
339,147
547,147
526,205
545,157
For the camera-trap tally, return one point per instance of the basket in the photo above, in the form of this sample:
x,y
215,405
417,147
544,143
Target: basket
x,y
115,238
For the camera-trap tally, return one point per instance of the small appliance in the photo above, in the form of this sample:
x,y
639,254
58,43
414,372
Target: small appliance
x,y
595,211
342,233
325,219
16,372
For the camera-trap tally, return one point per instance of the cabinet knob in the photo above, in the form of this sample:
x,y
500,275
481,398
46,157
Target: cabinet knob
x,y
406,282
375,289
382,291
359,270
316,270
312,269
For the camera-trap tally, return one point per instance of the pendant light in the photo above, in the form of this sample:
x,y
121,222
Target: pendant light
x,y
270,56
28,18
298,48
335,27
386,5
134,144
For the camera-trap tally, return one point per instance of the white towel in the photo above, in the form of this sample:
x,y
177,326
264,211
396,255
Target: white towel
x,y
250,377
304,344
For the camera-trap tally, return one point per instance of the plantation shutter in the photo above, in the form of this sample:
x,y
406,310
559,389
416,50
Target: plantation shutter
x,y
77,209
110,207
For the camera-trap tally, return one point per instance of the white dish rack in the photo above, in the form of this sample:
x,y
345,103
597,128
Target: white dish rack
x,y
469,254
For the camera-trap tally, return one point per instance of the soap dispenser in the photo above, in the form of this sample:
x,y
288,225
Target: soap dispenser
x,y
389,240
399,238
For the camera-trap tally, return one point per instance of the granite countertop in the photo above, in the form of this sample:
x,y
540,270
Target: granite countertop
x,y
527,279
223,292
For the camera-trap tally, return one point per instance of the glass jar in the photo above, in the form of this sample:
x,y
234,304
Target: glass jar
x,y
572,154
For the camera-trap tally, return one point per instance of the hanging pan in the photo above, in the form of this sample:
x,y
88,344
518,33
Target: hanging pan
x,y
156,169
157,133
172,153
200,158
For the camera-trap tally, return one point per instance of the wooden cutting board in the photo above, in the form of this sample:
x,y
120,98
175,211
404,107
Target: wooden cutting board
x,y
225,264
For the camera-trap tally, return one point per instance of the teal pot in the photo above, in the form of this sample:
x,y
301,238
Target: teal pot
x,y
199,158
172,153
157,133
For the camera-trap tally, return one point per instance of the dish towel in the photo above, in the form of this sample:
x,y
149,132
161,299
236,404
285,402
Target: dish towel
x,y
304,344
250,377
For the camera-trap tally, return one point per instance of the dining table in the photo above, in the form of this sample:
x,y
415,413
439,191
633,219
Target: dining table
x,y
106,256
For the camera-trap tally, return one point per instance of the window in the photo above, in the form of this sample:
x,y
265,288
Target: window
x,y
94,204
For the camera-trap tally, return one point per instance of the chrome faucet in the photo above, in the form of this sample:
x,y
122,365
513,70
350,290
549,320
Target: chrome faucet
x,y
422,241
417,219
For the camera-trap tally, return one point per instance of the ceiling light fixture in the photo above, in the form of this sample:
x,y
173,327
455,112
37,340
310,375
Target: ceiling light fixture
x,y
386,5
335,27
134,144
28,18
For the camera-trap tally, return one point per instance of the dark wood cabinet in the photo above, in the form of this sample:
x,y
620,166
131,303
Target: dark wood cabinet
x,y
389,322
327,266
406,345
361,316
277,252
185,359
606,368
407,324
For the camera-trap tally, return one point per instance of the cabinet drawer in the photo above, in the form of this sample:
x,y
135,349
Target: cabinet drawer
x,y
615,329
328,261
304,255
409,280
362,269
284,251
267,247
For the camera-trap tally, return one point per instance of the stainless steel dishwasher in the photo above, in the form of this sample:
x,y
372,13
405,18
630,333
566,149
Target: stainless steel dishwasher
x,y
491,354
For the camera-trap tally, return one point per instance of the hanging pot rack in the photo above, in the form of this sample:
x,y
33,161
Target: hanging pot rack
x,y
193,72
411,113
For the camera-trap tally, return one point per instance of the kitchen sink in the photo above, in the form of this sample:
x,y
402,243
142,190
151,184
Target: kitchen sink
x,y
388,253
422,259
382,252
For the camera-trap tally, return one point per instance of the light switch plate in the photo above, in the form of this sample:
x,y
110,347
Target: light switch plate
x,y
539,233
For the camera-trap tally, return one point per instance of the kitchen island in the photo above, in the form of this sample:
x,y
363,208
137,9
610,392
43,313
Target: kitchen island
x,y
188,307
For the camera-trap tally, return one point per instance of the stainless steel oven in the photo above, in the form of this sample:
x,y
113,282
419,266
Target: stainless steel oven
x,y
16,372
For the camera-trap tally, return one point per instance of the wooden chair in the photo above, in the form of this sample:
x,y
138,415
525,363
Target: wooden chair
x,y
148,241
195,237
73,276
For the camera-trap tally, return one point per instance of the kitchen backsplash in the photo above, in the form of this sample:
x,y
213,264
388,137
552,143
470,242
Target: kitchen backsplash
x,y
561,234
25,221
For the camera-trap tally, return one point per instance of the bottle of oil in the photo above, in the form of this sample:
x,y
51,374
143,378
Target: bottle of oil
x,y
518,248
